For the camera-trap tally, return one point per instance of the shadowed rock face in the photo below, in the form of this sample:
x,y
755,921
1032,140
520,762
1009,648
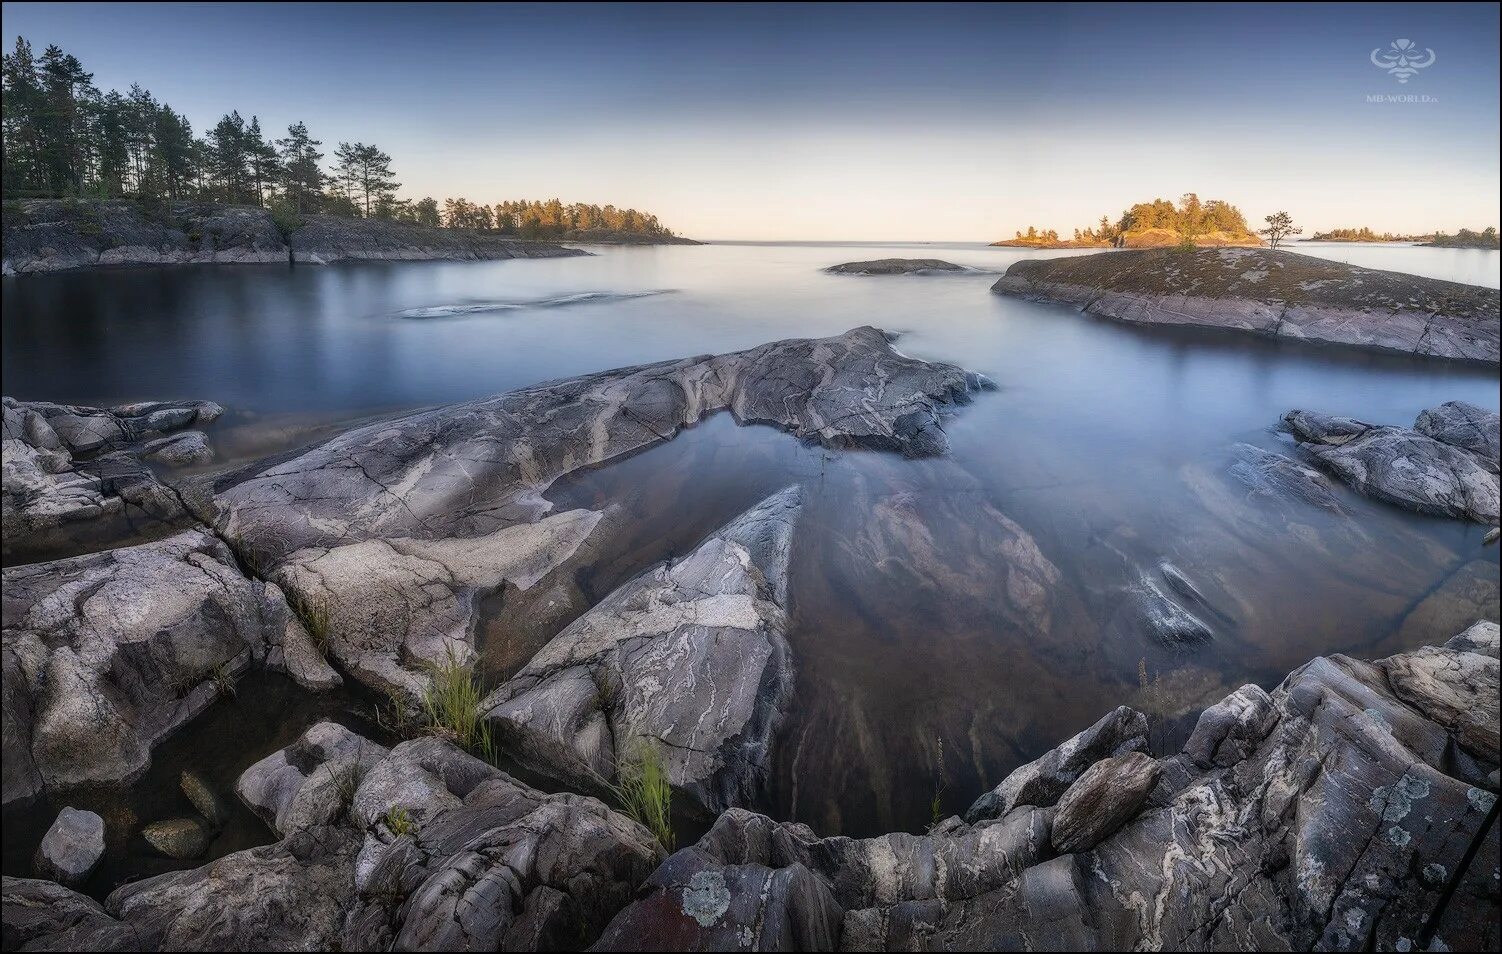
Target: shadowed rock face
x,y
1274,293
1332,813
71,478
896,266
691,658
106,655
396,527
1445,466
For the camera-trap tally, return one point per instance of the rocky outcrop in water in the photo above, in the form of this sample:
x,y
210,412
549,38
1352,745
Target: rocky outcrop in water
x,y
72,476
897,266
71,848
1446,465
106,655
1341,811
392,530
1272,293
48,235
690,658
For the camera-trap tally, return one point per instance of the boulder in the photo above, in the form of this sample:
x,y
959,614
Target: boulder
x,y
37,915
1044,780
108,654
1411,468
1102,799
180,450
689,658
310,782
72,847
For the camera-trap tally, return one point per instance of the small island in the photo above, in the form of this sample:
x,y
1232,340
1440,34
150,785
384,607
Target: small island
x,y
1465,238
1160,223
1272,293
896,266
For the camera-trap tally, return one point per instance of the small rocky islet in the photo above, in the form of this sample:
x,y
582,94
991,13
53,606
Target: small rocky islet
x,y
1354,804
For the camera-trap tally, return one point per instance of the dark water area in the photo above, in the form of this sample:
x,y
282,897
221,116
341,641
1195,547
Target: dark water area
x,y
952,618
267,712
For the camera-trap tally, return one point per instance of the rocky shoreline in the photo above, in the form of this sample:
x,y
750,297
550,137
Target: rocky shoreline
x,y
1352,806
53,235
1272,293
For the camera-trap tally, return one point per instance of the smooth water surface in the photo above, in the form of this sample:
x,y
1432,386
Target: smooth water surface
x,y
952,618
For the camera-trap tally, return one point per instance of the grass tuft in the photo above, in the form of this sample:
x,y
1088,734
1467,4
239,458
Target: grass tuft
x,y
224,681
644,792
400,821
451,707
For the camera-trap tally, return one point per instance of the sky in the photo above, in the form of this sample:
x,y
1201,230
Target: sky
x,y
872,122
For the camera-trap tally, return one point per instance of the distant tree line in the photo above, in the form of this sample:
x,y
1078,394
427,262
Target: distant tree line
x,y
550,218
1466,238
1364,234
65,138
1189,217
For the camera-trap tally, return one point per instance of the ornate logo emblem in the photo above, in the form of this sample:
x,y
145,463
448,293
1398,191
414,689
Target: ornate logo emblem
x,y
1402,59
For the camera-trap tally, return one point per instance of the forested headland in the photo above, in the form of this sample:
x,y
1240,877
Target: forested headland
x,y
64,138
1154,224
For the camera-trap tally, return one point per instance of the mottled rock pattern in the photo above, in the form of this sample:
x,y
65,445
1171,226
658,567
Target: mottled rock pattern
x,y
180,450
397,528
1273,293
72,847
1102,799
310,782
1281,478
37,915
896,266
690,657
1411,468
1334,812
106,655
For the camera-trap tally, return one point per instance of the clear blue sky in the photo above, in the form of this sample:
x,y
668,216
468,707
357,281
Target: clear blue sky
x,y
847,121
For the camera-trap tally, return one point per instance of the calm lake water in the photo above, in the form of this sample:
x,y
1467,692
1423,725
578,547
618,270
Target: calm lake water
x,y
952,618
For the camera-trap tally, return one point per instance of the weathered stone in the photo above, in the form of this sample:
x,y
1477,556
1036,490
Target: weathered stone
x,y
1283,478
1042,781
310,782
180,450
1465,426
72,847
397,529
181,838
38,915
108,654
690,658
69,483
1102,800
1407,467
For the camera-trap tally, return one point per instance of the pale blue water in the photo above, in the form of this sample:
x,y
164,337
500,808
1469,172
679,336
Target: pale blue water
x,y
1108,444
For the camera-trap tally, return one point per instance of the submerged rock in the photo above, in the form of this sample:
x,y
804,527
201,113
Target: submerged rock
x,y
896,266
72,847
180,838
394,530
1416,469
1273,293
690,658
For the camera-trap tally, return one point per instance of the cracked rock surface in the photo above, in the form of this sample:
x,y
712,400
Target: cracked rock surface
x,y
1445,466
1336,812
690,657
394,529
107,654
1273,293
